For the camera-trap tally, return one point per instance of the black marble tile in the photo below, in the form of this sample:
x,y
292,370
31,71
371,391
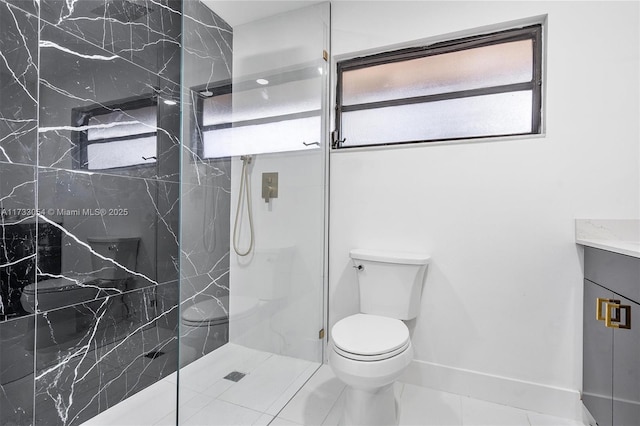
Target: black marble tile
x,y
18,85
168,232
145,32
91,356
16,372
29,6
87,207
82,85
17,236
206,207
207,47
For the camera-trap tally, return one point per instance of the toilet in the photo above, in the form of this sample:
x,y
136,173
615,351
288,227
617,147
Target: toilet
x,y
371,349
204,326
73,292
74,289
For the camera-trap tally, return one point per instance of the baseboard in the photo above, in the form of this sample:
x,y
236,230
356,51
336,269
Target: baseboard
x,y
530,396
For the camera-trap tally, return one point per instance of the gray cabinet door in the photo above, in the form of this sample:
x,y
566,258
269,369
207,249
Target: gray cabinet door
x,y
597,378
626,369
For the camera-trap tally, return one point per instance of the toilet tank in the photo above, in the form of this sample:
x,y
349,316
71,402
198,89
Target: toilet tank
x,y
267,276
390,282
122,250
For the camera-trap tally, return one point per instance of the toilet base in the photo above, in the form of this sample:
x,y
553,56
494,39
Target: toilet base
x,y
369,407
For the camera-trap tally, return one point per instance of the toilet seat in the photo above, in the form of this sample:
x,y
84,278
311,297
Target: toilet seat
x,y
209,312
55,285
205,313
364,337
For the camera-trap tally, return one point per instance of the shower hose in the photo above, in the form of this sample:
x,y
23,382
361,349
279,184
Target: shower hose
x,y
245,189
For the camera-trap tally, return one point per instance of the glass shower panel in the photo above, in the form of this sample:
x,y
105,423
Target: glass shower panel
x,y
255,109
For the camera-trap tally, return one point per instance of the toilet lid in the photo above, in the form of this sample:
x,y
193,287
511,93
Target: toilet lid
x,y
369,335
54,285
209,311
206,312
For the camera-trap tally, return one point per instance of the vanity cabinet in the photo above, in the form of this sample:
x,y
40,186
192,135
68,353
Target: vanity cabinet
x,y
611,343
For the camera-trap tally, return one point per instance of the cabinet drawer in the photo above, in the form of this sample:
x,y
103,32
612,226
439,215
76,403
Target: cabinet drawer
x,y
614,271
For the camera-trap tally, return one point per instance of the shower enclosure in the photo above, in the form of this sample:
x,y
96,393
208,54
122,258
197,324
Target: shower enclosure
x,y
127,120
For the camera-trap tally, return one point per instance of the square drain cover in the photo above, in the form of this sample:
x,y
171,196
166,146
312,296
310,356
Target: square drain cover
x,y
234,376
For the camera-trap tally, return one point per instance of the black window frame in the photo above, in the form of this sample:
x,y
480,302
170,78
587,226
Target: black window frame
x,y
227,86
531,32
80,138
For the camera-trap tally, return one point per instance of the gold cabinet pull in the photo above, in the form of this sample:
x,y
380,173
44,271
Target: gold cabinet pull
x,y
614,322
600,313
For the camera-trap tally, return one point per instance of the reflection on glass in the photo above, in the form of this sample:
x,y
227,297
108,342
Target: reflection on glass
x,y
121,153
279,136
123,123
275,116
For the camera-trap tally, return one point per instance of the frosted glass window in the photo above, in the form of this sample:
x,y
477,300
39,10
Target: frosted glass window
x,y
500,114
477,87
121,153
286,135
119,134
122,123
263,102
495,65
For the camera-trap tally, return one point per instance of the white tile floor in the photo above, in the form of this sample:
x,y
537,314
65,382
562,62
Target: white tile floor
x,y
320,401
273,394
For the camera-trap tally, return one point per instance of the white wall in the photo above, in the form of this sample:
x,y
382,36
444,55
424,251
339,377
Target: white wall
x,y
502,302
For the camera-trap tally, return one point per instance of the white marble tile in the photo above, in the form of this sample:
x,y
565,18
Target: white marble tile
x,y
333,418
259,389
144,408
537,419
264,420
312,403
168,420
220,413
203,373
292,389
279,421
423,406
482,413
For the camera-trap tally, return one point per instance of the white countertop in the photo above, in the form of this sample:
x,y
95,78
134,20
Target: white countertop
x,y
615,235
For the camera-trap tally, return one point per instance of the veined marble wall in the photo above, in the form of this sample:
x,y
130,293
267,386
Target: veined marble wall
x,y
89,344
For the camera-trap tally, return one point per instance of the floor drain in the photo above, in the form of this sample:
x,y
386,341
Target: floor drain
x,y
234,376
154,354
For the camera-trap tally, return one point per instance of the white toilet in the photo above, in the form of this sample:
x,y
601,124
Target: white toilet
x,y
371,349
105,279
205,325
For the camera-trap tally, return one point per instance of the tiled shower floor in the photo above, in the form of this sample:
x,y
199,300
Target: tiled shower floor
x,y
268,395
206,398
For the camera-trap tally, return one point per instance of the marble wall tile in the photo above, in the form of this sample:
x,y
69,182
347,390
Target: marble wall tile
x,y
144,32
16,372
88,205
77,76
207,47
17,236
95,354
18,85
29,6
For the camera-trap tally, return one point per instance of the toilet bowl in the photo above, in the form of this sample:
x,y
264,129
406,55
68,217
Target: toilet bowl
x,y
68,300
370,350
108,277
205,325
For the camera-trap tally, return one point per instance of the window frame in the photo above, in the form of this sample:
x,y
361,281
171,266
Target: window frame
x,y
530,32
80,118
225,87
